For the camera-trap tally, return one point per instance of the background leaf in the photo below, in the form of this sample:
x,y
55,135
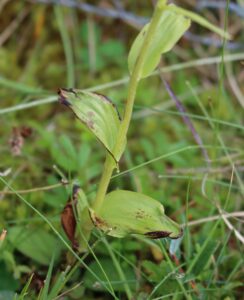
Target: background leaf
x,y
91,283
7,280
35,243
202,257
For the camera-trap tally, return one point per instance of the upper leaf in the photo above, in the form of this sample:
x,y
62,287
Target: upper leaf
x,y
170,29
126,212
200,20
97,112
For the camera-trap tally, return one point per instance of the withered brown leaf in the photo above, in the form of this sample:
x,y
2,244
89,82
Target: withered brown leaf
x,y
68,217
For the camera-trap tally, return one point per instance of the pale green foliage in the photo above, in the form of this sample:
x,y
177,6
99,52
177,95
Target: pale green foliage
x,y
97,112
126,212
84,223
200,20
174,22
170,29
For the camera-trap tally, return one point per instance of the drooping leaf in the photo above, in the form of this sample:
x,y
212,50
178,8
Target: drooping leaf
x,y
97,112
126,212
35,243
170,29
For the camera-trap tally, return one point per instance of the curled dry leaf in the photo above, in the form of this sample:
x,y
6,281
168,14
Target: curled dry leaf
x,y
68,217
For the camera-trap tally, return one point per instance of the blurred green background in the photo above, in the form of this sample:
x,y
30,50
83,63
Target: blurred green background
x,y
45,46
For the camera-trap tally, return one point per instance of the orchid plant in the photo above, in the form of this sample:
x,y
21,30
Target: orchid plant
x,y
120,212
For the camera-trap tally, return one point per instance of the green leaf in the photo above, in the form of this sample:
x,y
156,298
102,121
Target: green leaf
x,y
84,223
44,292
97,112
84,154
25,289
200,20
7,280
202,258
35,243
161,276
57,284
170,29
64,153
126,212
7,295
91,282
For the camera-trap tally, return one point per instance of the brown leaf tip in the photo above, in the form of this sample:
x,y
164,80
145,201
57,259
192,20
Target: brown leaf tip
x,y
63,97
163,234
97,221
75,191
158,234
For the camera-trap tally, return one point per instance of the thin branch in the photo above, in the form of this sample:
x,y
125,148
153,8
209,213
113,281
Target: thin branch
x,y
99,11
179,66
68,291
187,120
2,4
37,189
238,9
202,170
237,214
231,227
5,35
134,20
234,85
209,41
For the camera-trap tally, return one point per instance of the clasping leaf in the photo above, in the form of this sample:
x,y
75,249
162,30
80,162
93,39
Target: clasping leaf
x,y
126,212
98,114
173,23
170,29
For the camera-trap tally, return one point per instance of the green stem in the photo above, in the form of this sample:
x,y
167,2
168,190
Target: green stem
x,y
133,84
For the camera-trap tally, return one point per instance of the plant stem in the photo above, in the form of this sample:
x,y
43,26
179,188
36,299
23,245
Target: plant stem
x,y
133,84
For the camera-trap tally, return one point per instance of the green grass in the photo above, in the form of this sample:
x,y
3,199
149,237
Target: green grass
x,y
64,47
